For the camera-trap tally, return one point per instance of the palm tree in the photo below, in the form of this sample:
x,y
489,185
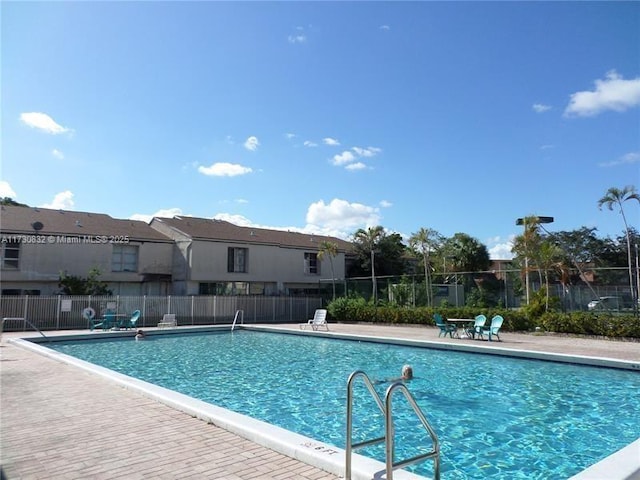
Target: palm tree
x,y
329,249
368,240
425,241
527,245
549,258
615,196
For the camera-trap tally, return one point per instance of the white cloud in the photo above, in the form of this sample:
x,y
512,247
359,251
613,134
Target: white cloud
x,y
239,220
43,122
385,27
343,158
626,159
310,144
61,201
367,152
252,143
612,93
330,141
540,108
164,213
6,190
342,215
290,136
57,153
546,147
224,169
298,36
385,204
356,166
500,249
242,201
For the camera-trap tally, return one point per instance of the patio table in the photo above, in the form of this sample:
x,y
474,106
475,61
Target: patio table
x,y
465,323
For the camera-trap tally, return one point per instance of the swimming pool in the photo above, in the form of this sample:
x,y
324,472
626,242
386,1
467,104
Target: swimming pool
x,y
496,417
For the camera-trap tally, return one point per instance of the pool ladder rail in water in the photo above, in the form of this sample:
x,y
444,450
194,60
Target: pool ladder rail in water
x,y
239,314
388,438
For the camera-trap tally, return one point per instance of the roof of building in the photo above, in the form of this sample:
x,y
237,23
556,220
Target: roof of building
x,y
211,229
45,221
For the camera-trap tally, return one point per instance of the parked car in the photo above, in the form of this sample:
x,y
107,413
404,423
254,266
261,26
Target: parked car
x,y
606,303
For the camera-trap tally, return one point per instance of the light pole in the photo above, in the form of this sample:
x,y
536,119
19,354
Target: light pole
x,y
535,219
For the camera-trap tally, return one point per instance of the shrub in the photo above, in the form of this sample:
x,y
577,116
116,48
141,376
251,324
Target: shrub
x,y
357,309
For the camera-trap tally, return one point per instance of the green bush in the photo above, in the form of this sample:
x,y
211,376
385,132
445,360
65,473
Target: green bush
x,y
357,309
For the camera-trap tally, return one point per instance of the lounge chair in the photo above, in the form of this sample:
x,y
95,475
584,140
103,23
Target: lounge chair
x,y
444,326
493,329
477,326
319,320
168,321
131,322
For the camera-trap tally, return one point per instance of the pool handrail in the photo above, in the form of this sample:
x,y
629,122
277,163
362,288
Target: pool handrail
x,y
388,437
239,313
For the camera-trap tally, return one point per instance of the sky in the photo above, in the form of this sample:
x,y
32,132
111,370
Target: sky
x,y
325,117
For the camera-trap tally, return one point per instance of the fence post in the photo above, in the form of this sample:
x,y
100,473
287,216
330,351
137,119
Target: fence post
x,y
192,319
24,314
58,314
144,310
168,303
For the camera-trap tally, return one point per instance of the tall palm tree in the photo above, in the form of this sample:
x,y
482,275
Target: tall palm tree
x,y
527,245
368,240
549,258
329,249
425,241
615,196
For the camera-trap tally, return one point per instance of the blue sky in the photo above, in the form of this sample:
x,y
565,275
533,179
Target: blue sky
x,y
325,116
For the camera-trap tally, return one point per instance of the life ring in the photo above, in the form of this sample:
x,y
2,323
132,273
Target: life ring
x,y
89,313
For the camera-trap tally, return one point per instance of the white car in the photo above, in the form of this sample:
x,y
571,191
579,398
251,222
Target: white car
x,y
605,303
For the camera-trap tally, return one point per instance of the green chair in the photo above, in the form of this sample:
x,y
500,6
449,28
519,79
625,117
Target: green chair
x,y
493,329
445,328
131,322
89,315
478,325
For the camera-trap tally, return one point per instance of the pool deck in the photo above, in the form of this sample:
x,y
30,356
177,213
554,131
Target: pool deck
x,y
59,422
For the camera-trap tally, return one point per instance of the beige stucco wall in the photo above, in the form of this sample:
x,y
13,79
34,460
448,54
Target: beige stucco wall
x,y
41,264
266,263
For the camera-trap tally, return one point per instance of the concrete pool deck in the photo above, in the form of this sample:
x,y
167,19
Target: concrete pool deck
x,y
59,422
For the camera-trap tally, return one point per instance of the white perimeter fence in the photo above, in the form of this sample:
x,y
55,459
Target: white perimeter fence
x,y
62,312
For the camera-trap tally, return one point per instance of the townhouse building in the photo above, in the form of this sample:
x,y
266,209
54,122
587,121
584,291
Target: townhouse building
x,y
215,257
168,256
39,244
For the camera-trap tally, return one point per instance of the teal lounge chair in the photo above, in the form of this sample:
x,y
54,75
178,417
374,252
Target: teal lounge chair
x,y
131,322
478,325
445,328
493,329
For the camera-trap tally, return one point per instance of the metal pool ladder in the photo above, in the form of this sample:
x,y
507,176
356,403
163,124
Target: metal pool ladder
x,y
239,313
388,437
25,321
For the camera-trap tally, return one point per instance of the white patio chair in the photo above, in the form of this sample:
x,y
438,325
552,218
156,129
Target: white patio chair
x,y
168,321
319,320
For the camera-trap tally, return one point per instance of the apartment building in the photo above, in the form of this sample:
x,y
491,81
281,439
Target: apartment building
x,y
177,256
218,257
39,244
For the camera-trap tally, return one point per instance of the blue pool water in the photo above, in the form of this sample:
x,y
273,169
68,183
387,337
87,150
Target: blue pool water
x,y
496,417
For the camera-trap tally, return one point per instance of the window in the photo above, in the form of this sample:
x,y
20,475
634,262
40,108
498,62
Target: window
x,y
311,264
10,255
124,258
223,288
237,260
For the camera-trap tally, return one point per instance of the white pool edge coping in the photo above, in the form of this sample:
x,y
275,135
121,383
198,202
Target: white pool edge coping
x,y
623,464
307,450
